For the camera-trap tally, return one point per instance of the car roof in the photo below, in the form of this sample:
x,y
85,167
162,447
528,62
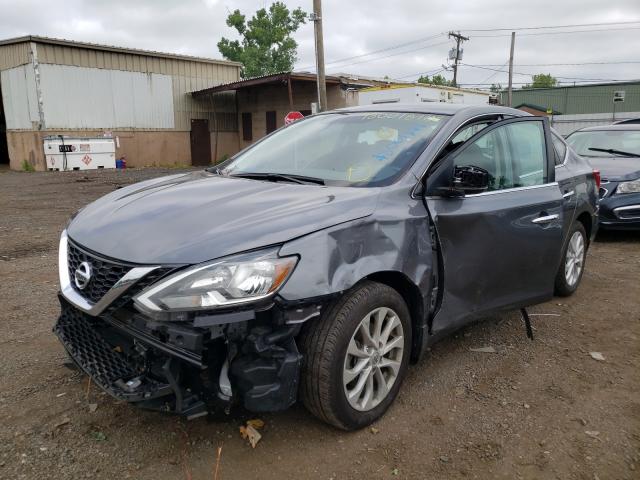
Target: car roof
x,y
615,127
439,108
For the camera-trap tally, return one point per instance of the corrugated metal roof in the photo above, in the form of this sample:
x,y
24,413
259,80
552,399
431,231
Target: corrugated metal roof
x,y
265,79
111,48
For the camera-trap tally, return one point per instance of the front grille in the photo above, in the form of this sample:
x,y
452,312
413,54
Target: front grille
x,y
90,350
107,365
104,273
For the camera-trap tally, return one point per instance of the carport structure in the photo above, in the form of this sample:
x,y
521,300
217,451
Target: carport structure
x,y
263,102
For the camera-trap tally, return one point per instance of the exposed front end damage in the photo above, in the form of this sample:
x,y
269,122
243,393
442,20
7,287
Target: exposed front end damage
x,y
136,332
199,363
252,361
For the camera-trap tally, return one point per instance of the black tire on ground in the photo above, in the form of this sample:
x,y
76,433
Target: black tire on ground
x,y
562,287
324,345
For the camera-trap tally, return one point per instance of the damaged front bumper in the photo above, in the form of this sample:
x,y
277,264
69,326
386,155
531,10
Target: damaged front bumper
x,y
189,368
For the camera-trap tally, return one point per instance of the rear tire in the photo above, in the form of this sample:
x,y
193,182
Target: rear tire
x,y
571,267
349,378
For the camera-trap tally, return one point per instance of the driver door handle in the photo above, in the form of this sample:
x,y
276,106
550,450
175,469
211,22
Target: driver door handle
x,y
568,194
545,219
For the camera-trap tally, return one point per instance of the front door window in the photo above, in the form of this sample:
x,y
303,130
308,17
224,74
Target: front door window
x,y
513,155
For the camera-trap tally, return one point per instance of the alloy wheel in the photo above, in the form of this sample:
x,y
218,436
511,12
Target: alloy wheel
x,y
574,260
373,359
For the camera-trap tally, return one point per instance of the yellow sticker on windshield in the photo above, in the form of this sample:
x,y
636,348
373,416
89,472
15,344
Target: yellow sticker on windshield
x,y
386,133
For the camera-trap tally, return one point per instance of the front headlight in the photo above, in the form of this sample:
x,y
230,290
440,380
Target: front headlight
x,y
629,187
239,279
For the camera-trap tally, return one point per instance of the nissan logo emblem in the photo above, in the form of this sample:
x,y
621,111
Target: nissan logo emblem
x,y
82,275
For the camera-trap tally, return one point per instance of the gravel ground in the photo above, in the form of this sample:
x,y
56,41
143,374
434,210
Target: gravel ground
x,y
541,409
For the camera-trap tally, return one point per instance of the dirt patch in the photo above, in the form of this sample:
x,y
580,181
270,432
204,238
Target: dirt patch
x,y
541,409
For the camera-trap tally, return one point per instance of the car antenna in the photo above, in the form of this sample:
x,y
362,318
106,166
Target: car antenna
x,y
527,322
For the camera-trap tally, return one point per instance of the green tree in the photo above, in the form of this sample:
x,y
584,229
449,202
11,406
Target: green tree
x,y
266,45
435,80
542,80
495,88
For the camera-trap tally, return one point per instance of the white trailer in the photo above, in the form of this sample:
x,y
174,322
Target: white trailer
x,y
79,153
419,93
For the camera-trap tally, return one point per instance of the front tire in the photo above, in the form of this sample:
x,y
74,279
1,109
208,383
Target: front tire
x,y
356,356
573,259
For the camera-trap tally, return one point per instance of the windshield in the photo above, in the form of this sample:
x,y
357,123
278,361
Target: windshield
x,y
616,141
355,149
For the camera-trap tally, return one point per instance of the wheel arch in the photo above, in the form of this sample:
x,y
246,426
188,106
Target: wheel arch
x,y
585,219
412,296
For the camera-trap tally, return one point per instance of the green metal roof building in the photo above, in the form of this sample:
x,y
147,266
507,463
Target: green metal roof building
x,y
581,99
579,106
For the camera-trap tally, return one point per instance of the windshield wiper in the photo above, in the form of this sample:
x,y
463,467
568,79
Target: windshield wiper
x,y
275,177
615,152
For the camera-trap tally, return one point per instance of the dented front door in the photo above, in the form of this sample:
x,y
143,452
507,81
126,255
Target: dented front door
x,y
501,248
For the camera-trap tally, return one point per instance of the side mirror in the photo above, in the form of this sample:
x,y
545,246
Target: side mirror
x,y
470,179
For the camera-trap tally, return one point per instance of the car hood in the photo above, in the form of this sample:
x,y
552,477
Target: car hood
x,y
201,216
617,169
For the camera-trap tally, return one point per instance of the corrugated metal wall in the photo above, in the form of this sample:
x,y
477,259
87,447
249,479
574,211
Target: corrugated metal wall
x,y
583,99
19,97
185,76
14,55
78,98
220,71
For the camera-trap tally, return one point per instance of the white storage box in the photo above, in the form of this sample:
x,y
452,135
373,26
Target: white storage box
x,y
79,153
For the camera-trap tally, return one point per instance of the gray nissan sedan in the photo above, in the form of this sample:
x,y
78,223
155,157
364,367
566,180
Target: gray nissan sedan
x,y
323,260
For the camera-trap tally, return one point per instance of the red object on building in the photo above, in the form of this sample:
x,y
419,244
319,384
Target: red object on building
x,y
292,117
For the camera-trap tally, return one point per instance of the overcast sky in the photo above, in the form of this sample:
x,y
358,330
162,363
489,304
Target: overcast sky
x,y
355,28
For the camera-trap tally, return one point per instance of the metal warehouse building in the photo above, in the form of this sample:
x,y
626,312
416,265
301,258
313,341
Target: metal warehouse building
x,y
140,98
581,106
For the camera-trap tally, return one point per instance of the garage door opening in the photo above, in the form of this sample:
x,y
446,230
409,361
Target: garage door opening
x,y
4,150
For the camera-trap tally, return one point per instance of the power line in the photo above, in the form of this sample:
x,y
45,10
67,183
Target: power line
x,y
494,73
558,64
429,72
565,32
373,52
531,74
559,83
630,22
392,55
405,44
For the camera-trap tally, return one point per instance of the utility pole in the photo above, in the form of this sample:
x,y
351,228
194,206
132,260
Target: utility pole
x,y
322,86
510,91
459,39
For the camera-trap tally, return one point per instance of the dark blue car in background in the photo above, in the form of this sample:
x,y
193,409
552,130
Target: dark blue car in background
x,y
615,151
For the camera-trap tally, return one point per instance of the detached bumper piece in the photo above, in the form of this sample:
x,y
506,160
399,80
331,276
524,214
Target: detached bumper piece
x,y
125,368
268,370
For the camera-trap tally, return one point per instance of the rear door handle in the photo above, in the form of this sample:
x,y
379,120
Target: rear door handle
x,y
569,194
545,219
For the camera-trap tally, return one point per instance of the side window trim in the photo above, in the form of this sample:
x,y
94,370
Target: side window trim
x,y
566,148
